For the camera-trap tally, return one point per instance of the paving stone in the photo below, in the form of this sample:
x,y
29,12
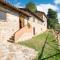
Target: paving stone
x,y
10,51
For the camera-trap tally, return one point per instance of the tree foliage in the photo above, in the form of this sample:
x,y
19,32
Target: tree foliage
x,y
52,18
31,6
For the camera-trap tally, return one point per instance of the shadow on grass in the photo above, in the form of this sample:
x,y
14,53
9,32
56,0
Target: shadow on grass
x,y
40,56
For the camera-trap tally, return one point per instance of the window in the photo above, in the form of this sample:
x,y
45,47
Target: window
x,y
39,22
27,18
33,19
2,16
33,30
41,29
44,24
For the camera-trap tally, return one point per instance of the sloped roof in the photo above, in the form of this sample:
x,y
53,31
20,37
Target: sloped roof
x,y
31,13
24,11
9,6
40,13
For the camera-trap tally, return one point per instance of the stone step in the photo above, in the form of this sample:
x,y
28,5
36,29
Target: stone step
x,y
10,41
11,38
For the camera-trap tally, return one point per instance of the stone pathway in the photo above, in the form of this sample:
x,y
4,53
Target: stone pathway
x,y
10,51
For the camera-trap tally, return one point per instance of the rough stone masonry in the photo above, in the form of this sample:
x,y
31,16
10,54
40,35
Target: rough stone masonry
x,y
10,51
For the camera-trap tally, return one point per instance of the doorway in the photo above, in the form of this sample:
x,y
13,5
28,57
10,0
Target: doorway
x,y
20,24
21,21
33,30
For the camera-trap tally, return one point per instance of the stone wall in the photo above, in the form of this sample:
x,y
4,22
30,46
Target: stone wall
x,y
11,51
59,36
40,27
59,40
9,26
27,33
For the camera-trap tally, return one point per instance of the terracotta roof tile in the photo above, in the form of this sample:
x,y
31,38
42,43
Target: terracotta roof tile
x,y
40,13
31,13
7,5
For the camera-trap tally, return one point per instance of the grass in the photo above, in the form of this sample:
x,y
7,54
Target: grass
x,y
37,42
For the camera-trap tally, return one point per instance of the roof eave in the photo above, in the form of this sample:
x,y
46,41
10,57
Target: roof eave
x,y
13,8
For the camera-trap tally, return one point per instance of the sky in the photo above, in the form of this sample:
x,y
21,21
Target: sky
x,y
42,5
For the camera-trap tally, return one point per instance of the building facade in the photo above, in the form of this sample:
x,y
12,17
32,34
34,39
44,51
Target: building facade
x,y
33,25
19,25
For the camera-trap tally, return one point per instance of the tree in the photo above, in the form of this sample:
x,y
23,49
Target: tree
x,y
52,18
31,6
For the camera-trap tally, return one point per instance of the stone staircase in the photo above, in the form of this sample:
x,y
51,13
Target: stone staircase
x,y
23,34
12,40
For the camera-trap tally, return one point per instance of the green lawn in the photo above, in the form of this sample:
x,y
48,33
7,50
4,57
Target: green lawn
x,y
50,48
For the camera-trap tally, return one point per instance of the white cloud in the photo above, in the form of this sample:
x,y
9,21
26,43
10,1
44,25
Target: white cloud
x,y
18,5
59,17
57,1
45,7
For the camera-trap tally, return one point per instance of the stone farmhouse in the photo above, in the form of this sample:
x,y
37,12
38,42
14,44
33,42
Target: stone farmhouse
x,y
19,24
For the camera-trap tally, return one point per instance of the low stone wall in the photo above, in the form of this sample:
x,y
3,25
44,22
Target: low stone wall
x,y
57,37
59,40
23,34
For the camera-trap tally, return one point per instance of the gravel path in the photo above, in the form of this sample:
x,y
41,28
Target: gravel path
x,y
10,51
